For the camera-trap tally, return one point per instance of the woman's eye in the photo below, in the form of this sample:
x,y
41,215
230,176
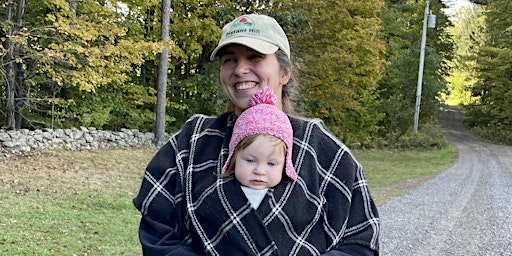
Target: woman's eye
x,y
228,60
256,57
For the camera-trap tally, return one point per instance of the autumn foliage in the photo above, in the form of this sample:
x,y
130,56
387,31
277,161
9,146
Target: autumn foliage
x,y
70,63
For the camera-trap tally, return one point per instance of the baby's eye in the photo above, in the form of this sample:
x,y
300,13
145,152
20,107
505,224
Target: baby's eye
x,y
249,161
272,164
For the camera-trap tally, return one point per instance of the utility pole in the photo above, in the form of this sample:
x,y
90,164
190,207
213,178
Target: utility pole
x,y
430,20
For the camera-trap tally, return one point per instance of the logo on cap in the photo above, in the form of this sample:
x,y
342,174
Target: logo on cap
x,y
243,22
243,26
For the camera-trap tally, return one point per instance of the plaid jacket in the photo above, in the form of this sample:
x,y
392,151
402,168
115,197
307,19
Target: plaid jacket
x,y
188,210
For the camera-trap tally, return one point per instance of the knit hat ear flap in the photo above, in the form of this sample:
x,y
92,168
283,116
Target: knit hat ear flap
x,y
263,117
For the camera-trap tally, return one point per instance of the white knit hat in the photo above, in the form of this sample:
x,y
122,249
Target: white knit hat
x,y
259,32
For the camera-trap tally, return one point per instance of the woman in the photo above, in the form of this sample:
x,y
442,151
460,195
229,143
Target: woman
x,y
187,209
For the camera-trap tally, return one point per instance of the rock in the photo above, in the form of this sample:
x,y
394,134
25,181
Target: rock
x,y
82,138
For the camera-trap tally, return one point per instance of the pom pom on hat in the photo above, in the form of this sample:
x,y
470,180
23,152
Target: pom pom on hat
x,y
263,117
265,96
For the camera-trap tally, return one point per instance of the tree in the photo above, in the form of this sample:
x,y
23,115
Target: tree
x,y
342,63
494,85
403,21
396,86
467,34
162,75
75,48
14,69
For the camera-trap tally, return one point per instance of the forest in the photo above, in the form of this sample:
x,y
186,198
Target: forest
x,y
97,63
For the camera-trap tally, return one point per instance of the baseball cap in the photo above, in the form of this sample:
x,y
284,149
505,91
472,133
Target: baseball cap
x,y
259,32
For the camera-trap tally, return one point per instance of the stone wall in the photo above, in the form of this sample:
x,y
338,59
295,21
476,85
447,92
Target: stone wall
x,y
16,141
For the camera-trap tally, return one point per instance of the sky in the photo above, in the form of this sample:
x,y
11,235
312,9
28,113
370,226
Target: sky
x,y
454,5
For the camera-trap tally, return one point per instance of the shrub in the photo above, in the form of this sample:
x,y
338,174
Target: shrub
x,y
493,134
430,136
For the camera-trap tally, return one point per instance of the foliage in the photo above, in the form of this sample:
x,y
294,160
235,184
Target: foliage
x,y
341,64
493,134
397,87
429,137
198,94
94,63
91,49
467,34
494,86
403,22
73,51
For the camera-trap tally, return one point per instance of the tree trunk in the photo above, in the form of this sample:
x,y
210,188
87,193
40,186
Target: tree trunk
x,y
73,4
19,92
10,69
14,69
162,76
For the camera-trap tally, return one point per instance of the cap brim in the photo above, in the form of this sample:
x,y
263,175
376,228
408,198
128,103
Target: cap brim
x,y
253,43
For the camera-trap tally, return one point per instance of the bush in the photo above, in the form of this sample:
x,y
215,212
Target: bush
x,y
493,134
430,136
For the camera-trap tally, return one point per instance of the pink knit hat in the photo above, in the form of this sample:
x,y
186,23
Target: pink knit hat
x,y
262,117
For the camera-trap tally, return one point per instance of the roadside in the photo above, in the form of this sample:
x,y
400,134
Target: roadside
x,y
464,210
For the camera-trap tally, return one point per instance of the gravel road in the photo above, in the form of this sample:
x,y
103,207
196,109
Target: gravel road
x,y
465,210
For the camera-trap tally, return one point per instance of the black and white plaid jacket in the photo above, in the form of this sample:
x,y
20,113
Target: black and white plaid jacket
x,y
188,210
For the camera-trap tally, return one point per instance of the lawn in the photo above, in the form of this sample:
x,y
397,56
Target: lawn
x,y
79,203
71,203
393,173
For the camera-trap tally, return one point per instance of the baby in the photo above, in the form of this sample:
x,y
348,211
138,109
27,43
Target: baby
x,y
260,150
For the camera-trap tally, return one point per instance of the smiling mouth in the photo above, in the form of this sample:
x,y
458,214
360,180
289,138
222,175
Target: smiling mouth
x,y
245,85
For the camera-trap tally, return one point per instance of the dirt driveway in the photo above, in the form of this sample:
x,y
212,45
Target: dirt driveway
x,y
465,210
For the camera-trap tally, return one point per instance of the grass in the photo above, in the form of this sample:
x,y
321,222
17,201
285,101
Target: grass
x,y
71,203
79,203
393,173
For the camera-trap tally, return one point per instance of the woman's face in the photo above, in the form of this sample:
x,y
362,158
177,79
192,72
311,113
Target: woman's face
x,y
243,71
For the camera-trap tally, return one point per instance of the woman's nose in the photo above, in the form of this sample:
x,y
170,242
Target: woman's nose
x,y
242,67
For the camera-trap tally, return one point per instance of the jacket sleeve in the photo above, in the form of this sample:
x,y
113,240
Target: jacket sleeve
x,y
158,239
363,225
162,230
351,216
350,250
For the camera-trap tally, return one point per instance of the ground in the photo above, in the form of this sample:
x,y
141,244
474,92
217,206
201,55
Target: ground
x,y
464,210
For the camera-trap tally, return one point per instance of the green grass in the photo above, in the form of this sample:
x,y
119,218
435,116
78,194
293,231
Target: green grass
x,y
393,173
84,224
80,203
71,203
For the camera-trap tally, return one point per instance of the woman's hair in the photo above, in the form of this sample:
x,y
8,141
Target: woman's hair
x,y
243,144
289,89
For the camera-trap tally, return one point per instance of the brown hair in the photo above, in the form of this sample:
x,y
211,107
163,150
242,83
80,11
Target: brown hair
x,y
243,144
289,89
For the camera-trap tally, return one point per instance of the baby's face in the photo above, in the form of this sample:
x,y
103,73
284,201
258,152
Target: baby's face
x,y
261,164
